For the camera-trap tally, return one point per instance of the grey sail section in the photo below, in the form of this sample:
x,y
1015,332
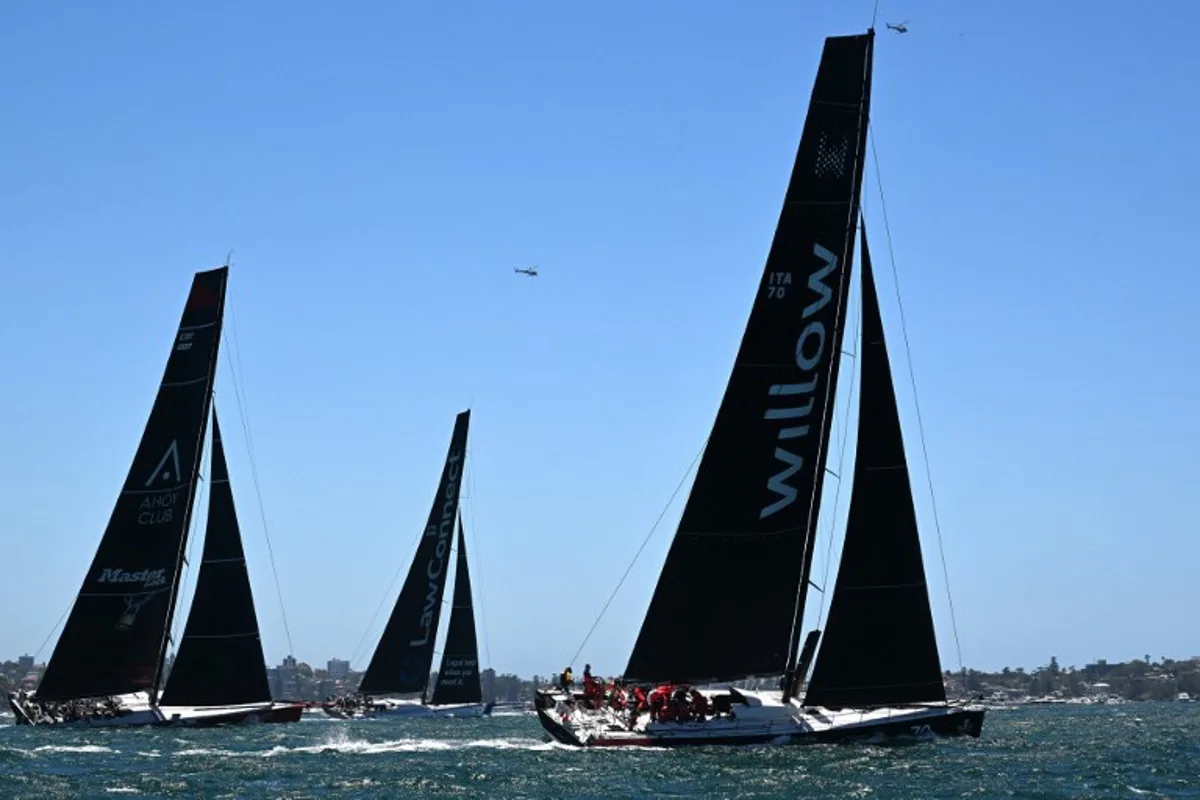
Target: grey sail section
x,y
879,646
458,677
115,638
404,655
726,598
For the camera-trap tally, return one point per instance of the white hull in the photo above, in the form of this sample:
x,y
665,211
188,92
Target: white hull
x,y
136,711
762,719
388,707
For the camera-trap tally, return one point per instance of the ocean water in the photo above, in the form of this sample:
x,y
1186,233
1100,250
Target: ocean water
x,y
1133,751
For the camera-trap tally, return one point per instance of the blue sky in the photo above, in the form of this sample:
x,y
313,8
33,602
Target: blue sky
x,y
379,168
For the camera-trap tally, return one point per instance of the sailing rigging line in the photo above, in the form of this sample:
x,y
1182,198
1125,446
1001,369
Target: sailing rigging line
x,y
633,561
478,577
875,14
837,493
912,377
236,369
63,616
185,570
358,648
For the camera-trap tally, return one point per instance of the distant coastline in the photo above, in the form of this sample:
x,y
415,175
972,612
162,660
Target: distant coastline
x,y
1103,682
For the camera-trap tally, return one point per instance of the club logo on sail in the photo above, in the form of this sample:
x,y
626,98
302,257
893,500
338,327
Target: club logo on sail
x,y
159,508
437,562
801,397
168,466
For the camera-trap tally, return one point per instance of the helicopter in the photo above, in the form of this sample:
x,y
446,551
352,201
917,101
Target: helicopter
x,y
898,27
530,271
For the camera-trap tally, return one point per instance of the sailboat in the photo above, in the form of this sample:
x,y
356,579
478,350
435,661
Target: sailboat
x,y
730,601
108,666
396,682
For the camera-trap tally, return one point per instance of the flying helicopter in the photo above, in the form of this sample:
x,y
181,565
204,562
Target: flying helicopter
x,y
530,271
898,27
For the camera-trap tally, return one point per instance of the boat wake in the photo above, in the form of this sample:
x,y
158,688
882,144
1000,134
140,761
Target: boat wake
x,y
350,746
47,749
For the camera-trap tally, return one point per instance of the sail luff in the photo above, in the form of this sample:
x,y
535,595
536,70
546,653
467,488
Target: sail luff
x,y
115,637
725,600
220,657
404,655
188,508
458,676
879,646
792,679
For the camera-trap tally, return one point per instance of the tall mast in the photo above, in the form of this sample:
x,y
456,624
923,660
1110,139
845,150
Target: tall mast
x,y
792,677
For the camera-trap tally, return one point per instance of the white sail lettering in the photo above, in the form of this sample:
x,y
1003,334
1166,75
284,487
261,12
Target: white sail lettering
x,y
157,509
810,353
778,482
169,460
149,578
437,563
809,363
816,280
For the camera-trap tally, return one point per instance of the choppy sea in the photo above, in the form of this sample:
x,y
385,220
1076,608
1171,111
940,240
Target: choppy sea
x,y
1137,751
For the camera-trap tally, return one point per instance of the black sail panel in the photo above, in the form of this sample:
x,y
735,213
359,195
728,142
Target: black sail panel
x,y
726,597
458,678
879,646
220,658
115,638
404,654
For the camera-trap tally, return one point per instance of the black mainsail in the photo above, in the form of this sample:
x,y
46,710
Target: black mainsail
x,y
742,553
404,655
458,678
116,637
879,645
220,657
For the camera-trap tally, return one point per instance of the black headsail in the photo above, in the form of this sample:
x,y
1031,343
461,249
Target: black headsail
x,y
405,651
220,657
727,595
879,647
116,636
458,678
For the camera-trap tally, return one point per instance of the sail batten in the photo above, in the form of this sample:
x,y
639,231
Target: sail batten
x,y
879,646
404,655
115,638
458,676
220,658
725,601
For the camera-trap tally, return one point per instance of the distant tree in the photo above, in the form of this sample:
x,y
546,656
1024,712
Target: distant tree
x,y
1054,665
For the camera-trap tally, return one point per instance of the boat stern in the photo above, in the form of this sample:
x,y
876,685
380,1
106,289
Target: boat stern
x,y
968,721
